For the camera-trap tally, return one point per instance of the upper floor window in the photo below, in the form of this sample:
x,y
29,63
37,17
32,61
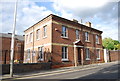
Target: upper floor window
x,y
87,53
26,38
64,53
98,54
77,34
31,36
86,36
97,39
38,34
40,53
64,31
45,31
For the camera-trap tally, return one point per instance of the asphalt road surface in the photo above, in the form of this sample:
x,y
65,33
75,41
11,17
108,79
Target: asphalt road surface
x,y
101,72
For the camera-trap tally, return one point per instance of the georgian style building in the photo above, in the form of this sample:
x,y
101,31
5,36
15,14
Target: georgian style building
x,y
63,41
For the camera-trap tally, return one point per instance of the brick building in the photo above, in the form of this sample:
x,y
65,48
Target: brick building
x,y
63,41
5,40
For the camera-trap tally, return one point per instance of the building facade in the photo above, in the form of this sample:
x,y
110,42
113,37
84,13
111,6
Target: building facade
x,y
63,41
5,40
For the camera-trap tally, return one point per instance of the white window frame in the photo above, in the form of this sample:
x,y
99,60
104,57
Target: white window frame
x,y
30,37
87,51
40,53
27,39
28,54
64,34
97,39
45,31
77,34
98,54
86,36
37,34
64,52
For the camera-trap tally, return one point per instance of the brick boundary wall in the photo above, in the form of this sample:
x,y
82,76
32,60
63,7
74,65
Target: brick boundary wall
x,y
25,67
114,55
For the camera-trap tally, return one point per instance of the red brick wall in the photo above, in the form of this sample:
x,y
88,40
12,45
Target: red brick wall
x,y
114,55
56,38
5,50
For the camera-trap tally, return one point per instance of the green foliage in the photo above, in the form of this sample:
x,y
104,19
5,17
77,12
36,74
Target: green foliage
x,y
111,44
118,46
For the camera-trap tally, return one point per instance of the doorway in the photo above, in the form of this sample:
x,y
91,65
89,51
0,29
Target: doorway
x,y
79,55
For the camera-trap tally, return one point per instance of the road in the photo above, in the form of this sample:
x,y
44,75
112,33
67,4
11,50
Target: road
x,y
102,72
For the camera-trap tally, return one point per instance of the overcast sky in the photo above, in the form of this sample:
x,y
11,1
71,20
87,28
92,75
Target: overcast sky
x,y
102,14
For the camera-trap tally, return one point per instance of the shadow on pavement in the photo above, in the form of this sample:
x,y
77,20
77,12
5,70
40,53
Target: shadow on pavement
x,y
112,72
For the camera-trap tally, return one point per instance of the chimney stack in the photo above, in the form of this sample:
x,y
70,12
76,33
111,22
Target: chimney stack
x,y
88,24
10,33
75,20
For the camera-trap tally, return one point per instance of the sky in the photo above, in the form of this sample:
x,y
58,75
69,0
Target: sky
x,y
103,14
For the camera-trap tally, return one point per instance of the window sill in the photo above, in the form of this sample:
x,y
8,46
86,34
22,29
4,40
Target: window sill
x,y
28,59
87,41
77,39
40,59
44,37
87,58
64,37
98,43
98,58
38,39
64,60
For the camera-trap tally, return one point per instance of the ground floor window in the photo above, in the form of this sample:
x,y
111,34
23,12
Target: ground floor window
x,y
28,54
87,51
40,53
98,54
64,53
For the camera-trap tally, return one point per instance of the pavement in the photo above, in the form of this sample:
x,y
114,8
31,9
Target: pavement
x,y
55,71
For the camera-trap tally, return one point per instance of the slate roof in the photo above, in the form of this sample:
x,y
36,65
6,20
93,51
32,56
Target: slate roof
x,y
9,35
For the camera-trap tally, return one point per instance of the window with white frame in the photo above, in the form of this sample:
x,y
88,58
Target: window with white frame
x,y
64,53
87,53
38,34
86,36
31,36
98,53
77,34
45,31
64,31
97,39
26,39
40,53
28,54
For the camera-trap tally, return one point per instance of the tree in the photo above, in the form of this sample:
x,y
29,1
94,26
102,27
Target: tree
x,y
116,44
110,44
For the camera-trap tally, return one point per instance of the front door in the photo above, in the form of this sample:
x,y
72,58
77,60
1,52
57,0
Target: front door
x,y
79,55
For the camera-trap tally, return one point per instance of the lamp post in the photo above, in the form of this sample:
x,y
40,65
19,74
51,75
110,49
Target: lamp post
x,y
12,42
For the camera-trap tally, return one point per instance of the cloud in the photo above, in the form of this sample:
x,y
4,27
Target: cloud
x,y
103,14
28,13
